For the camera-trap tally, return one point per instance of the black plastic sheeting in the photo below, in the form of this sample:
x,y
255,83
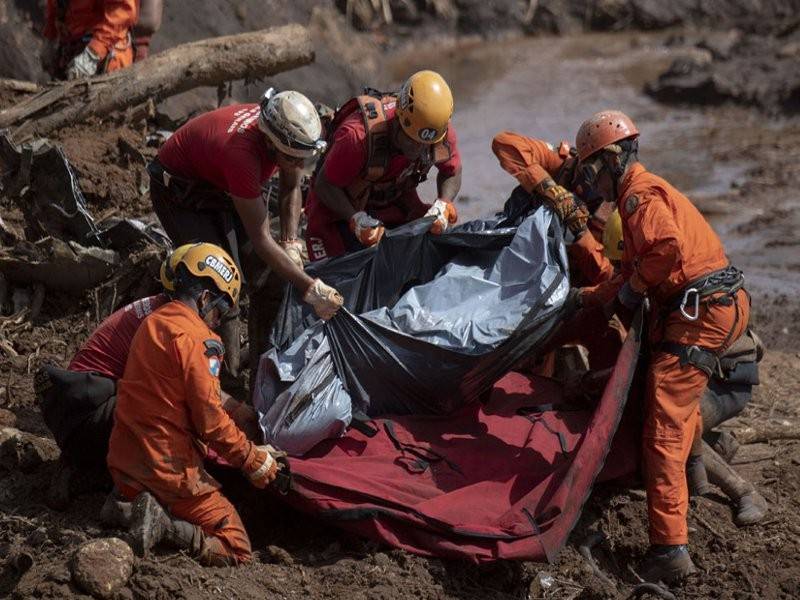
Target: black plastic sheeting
x,y
431,322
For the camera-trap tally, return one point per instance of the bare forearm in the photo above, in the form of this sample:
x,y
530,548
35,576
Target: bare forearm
x,y
448,186
290,207
334,198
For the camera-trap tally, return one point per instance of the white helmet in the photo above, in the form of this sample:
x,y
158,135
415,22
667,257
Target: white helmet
x,y
292,123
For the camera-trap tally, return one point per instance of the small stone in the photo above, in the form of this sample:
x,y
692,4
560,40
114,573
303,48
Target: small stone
x,y
101,567
382,560
277,555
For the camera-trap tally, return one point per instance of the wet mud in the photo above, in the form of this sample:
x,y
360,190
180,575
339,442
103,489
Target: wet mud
x,y
739,166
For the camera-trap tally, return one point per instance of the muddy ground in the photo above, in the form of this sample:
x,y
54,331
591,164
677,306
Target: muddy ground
x,y
757,213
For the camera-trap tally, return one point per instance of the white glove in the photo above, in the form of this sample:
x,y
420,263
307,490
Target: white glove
x,y
294,249
325,299
445,213
83,65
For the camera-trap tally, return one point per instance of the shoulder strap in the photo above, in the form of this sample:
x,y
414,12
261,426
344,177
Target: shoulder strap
x,y
373,111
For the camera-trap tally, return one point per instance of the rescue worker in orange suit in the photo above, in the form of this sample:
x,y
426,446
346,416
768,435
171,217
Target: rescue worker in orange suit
x,y
699,308
206,185
548,175
382,147
169,409
90,37
77,403
148,23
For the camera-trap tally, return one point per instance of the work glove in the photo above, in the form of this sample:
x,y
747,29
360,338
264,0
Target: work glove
x,y
570,210
83,65
445,213
367,230
260,467
325,300
294,249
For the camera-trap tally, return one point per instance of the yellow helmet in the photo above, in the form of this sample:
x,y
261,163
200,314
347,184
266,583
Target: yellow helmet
x,y
167,274
612,237
424,107
209,261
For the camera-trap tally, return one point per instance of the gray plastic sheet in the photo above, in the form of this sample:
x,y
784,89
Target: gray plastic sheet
x,y
431,323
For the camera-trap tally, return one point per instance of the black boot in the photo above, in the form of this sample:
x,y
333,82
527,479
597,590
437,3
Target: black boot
x,y
666,564
152,525
116,512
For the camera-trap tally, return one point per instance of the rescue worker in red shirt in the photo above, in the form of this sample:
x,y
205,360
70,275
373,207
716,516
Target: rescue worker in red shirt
x,y
382,147
169,410
699,308
90,36
206,183
77,403
548,175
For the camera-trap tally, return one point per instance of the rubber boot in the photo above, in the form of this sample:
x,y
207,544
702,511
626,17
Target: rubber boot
x,y
723,444
666,564
749,506
152,525
695,470
116,512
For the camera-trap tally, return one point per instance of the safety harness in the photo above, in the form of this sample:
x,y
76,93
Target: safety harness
x,y
717,287
374,107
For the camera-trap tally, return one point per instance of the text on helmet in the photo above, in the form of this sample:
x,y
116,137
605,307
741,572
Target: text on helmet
x,y
220,267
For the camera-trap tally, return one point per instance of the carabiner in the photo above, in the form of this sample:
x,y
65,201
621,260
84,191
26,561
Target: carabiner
x,y
685,300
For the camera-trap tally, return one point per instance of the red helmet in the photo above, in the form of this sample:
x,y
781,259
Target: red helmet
x,y
602,129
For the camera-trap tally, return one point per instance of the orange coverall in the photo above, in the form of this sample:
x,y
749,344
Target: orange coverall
x,y
669,244
108,22
168,409
530,161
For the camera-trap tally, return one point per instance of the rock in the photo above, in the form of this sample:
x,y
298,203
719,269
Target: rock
x,y
101,567
7,418
790,50
721,44
24,451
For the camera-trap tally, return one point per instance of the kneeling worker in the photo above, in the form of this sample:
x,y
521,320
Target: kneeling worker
x,y
169,409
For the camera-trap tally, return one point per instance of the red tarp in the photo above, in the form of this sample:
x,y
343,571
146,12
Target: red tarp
x,y
483,484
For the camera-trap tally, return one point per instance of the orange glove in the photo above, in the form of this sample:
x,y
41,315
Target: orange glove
x,y
573,214
445,213
368,230
260,467
325,299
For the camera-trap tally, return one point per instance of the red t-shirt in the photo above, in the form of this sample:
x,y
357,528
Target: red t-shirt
x,y
106,350
346,160
223,147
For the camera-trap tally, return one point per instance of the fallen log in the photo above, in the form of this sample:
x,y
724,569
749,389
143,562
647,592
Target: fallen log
x,y
252,55
765,432
15,85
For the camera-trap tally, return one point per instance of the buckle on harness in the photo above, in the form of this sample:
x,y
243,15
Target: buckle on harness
x,y
685,301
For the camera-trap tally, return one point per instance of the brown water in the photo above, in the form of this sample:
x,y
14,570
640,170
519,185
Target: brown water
x,y
545,87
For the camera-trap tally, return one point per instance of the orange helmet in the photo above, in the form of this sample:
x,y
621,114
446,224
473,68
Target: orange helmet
x,y
603,129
